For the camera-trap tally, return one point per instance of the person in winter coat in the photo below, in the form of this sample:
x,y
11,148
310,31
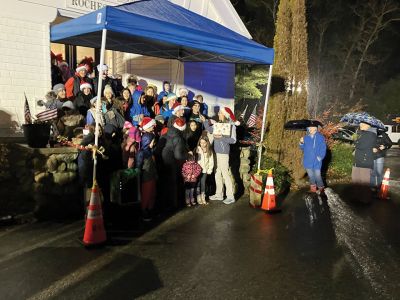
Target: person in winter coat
x,y
364,155
174,154
124,103
195,114
138,110
168,107
110,111
71,120
223,174
383,143
166,90
73,84
205,158
82,100
313,146
192,135
130,145
146,164
91,114
106,81
178,112
203,105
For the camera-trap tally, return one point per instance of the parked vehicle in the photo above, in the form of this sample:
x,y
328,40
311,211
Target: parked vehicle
x,y
393,131
345,134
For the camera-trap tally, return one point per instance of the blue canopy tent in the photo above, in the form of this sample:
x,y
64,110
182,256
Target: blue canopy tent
x,y
162,29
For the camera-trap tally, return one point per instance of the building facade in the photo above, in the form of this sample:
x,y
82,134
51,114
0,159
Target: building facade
x,y
25,56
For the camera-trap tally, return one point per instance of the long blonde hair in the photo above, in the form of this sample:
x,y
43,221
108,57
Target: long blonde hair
x,y
209,149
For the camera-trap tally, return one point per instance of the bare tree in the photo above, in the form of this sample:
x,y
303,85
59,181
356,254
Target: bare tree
x,y
382,14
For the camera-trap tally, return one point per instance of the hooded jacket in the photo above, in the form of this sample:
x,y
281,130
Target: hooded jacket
x,y
144,159
137,109
314,149
175,149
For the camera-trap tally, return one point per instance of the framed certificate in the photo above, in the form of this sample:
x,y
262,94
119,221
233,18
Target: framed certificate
x,y
222,129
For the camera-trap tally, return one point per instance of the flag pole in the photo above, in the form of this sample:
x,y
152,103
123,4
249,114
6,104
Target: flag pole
x,y
264,117
98,101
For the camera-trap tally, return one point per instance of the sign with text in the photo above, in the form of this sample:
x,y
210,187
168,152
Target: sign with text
x,y
92,5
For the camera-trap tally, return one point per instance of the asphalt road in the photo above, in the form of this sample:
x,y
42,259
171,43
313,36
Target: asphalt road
x,y
332,248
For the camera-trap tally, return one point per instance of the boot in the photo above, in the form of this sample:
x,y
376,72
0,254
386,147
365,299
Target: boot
x,y
199,199
313,188
203,198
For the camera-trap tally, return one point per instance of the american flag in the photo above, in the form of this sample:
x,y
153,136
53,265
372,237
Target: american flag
x,y
47,115
243,113
251,122
27,112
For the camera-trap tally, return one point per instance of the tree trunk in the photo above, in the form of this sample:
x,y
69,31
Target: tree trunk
x,y
291,64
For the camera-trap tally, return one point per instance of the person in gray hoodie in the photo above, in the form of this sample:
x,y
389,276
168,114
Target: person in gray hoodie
x,y
222,144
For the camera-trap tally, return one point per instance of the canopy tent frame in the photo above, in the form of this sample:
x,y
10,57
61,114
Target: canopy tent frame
x,y
199,52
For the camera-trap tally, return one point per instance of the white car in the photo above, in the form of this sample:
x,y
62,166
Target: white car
x,y
393,131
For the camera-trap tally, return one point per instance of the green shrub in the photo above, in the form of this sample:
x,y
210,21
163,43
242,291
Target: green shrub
x,y
341,161
282,178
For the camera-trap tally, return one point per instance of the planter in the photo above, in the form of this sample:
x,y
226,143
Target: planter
x,y
37,135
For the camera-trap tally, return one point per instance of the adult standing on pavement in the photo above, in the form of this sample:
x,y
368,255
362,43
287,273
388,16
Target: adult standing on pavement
x,y
383,143
174,154
313,146
223,174
364,155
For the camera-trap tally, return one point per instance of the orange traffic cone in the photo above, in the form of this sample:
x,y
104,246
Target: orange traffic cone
x,y
268,202
383,193
94,230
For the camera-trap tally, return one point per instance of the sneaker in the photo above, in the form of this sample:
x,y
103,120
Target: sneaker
x,y
229,201
215,198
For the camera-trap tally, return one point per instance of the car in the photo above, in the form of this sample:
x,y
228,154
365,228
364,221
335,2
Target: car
x,y
345,134
393,131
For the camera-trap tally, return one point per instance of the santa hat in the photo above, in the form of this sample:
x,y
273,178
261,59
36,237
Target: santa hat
x,y
229,114
85,85
81,67
147,123
180,124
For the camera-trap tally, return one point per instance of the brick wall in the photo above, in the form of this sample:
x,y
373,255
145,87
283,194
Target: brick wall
x,y
25,67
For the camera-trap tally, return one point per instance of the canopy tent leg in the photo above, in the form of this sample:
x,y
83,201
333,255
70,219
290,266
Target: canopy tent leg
x,y
98,101
264,116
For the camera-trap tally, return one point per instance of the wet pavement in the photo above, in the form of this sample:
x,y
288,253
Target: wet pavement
x,y
317,247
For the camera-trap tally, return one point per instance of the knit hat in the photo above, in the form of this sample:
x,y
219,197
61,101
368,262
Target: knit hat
x,y
229,114
102,68
147,123
93,100
68,104
180,124
184,90
159,118
109,89
58,87
85,85
127,125
134,134
171,96
81,67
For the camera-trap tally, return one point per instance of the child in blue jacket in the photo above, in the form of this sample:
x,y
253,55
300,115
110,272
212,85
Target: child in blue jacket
x,y
314,149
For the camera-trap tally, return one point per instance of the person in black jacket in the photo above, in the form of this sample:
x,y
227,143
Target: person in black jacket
x,y
383,143
174,154
364,161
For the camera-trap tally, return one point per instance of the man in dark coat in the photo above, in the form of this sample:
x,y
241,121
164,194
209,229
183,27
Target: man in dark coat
x,y
174,155
364,160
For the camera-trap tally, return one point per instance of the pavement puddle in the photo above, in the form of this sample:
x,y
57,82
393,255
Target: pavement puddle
x,y
368,253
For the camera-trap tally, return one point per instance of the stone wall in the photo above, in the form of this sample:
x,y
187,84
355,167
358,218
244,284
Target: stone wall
x,y
44,180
